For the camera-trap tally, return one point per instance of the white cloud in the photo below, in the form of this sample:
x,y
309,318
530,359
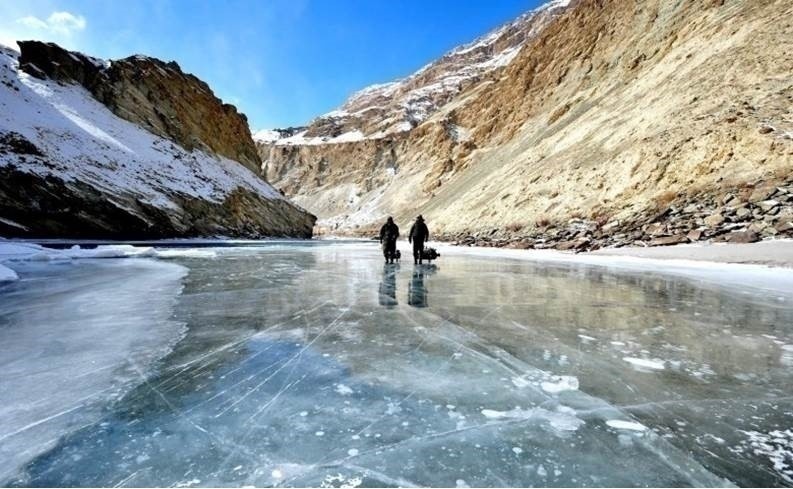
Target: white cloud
x,y
32,22
61,23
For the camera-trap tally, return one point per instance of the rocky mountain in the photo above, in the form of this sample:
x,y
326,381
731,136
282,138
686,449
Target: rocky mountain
x,y
598,120
133,148
397,107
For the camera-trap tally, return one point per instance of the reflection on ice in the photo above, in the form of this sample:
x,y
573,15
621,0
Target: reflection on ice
x,y
388,285
302,365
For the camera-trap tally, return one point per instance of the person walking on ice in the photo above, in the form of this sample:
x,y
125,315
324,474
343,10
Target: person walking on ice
x,y
418,235
388,238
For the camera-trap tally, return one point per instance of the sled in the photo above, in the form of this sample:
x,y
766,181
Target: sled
x,y
429,254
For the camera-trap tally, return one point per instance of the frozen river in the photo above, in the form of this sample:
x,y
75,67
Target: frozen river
x,y
314,364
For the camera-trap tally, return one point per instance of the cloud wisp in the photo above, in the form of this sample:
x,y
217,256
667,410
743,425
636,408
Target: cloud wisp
x,y
61,23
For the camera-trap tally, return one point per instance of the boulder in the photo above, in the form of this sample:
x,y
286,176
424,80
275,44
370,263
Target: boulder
x,y
656,229
691,209
694,235
669,240
742,237
757,227
768,205
784,226
577,244
762,193
525,244
732,200
714,220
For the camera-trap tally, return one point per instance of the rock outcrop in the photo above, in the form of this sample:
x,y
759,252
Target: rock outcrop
x,y
130,149
605,110
156,95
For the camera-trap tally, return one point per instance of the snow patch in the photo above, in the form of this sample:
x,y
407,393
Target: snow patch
x,y
10,252
7,275
777,446
560,384
560,420
343,390
341,481
644,363
300,139
626,425
266,136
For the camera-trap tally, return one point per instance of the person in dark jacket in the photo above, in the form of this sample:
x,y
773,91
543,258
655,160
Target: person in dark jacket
x,y
388,238
418,235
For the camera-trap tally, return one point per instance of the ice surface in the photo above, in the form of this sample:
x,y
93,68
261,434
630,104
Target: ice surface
x,y
76,338
7,275
315,364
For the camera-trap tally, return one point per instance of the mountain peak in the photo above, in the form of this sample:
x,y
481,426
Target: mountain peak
x,y
388,109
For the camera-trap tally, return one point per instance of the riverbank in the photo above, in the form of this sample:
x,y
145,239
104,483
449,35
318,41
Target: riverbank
x,y
772,253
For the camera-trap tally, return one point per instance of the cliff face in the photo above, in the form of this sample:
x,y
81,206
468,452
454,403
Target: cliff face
x,y
153,94
609,111
130,149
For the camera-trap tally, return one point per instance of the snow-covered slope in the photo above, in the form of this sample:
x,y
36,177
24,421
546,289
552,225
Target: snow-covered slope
x,y
89,143
51,129
386,109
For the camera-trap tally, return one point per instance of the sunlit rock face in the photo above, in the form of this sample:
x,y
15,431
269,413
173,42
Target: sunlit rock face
x,y
133,148
602,111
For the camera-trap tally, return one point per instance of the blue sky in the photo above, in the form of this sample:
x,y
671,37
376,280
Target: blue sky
x,y
281,62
